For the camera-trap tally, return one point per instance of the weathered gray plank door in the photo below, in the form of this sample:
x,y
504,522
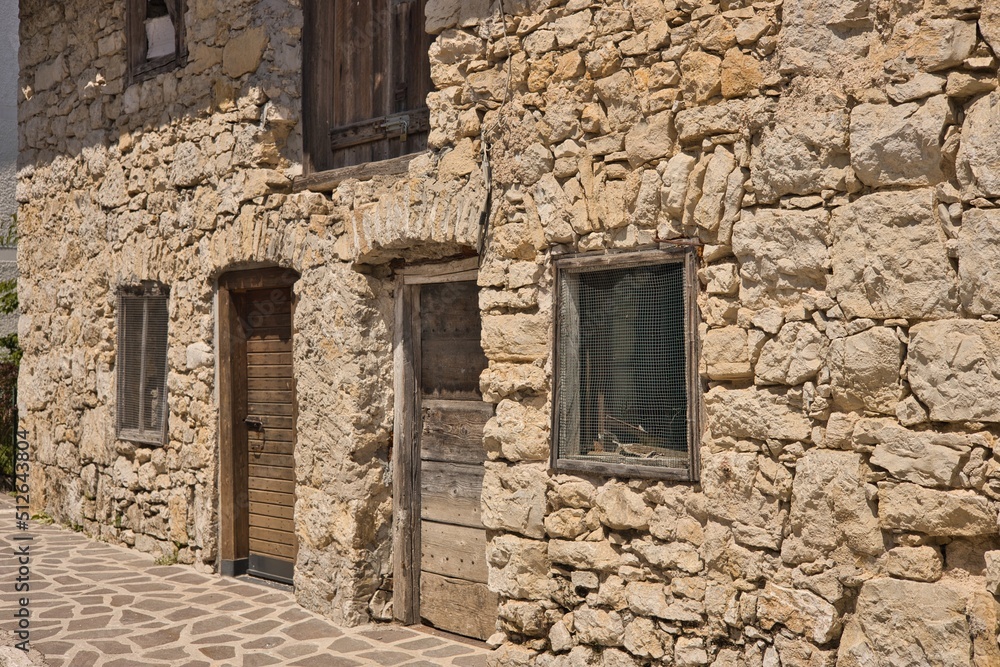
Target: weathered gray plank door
x,y
449,589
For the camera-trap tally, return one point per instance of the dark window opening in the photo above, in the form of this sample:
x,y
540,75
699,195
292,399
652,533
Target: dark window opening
x,y
154,37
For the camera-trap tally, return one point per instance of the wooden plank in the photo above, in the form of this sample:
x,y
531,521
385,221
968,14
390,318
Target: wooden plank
x,y
272,498
276,423
258,396
451,493
273,459
406,472
270,472
272,523
453,551
283,511
270,409
317,82
410,74
626,258
275,435
258,345
269,329
330,179
269,358
283,332
271,535
463,607
466,268
255,279
389,127
268,313
276,485
268,301
232,435
453,430
278,550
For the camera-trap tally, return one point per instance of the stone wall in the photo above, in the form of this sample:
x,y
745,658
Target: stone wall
x,y
179,179
837,162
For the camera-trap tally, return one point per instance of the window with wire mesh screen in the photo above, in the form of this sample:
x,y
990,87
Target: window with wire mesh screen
x,y
142,364
626,374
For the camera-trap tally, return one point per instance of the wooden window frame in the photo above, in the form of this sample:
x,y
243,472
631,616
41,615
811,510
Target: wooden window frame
x,y
147,293
139,68
687,256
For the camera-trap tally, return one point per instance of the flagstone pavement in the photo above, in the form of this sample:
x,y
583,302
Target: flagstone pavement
x,y
94,604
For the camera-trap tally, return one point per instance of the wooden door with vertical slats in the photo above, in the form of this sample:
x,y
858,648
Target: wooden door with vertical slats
x,y
266,315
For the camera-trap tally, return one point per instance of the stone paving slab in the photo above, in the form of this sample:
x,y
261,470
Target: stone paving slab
x,y
98,605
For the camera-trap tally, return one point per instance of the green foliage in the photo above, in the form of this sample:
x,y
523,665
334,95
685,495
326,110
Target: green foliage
x,y
167,559
43,518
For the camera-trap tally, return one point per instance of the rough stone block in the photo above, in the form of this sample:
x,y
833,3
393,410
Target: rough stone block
x,y
909,623
731,484
242,53
800,611
899,144
922,457
912,508
829,504
724,354
519,568
755,413
915,563
954,369
889,258
782,254
979,261
794,356
978,162
805,150
514,498
620,508
864,371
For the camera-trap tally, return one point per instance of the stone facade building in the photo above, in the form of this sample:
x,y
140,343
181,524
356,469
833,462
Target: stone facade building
x,y
709,285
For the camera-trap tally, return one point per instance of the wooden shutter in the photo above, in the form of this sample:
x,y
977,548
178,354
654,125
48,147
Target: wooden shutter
x,y
366,75
135,35
142,367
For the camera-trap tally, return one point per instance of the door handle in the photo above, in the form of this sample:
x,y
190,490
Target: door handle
x,y
254,423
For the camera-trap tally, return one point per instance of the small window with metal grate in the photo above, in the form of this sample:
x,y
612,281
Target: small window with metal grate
x,y
142,364
154,37
626,383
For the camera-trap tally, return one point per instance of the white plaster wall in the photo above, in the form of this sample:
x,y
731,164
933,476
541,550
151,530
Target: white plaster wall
x,y
8,108
8,143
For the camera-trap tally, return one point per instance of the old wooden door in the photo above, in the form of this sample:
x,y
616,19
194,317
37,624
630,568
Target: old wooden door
x,y
446,468
260,387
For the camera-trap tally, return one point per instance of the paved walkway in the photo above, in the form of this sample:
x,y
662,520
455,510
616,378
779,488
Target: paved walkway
x,y
93,604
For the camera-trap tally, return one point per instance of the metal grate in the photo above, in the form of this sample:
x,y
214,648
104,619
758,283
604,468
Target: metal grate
x,y
623,366
142,367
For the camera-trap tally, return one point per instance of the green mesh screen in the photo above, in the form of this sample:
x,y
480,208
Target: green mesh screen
x,y
622,366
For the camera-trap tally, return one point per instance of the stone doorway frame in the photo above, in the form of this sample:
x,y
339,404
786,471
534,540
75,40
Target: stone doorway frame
x,y
234,505
406,548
